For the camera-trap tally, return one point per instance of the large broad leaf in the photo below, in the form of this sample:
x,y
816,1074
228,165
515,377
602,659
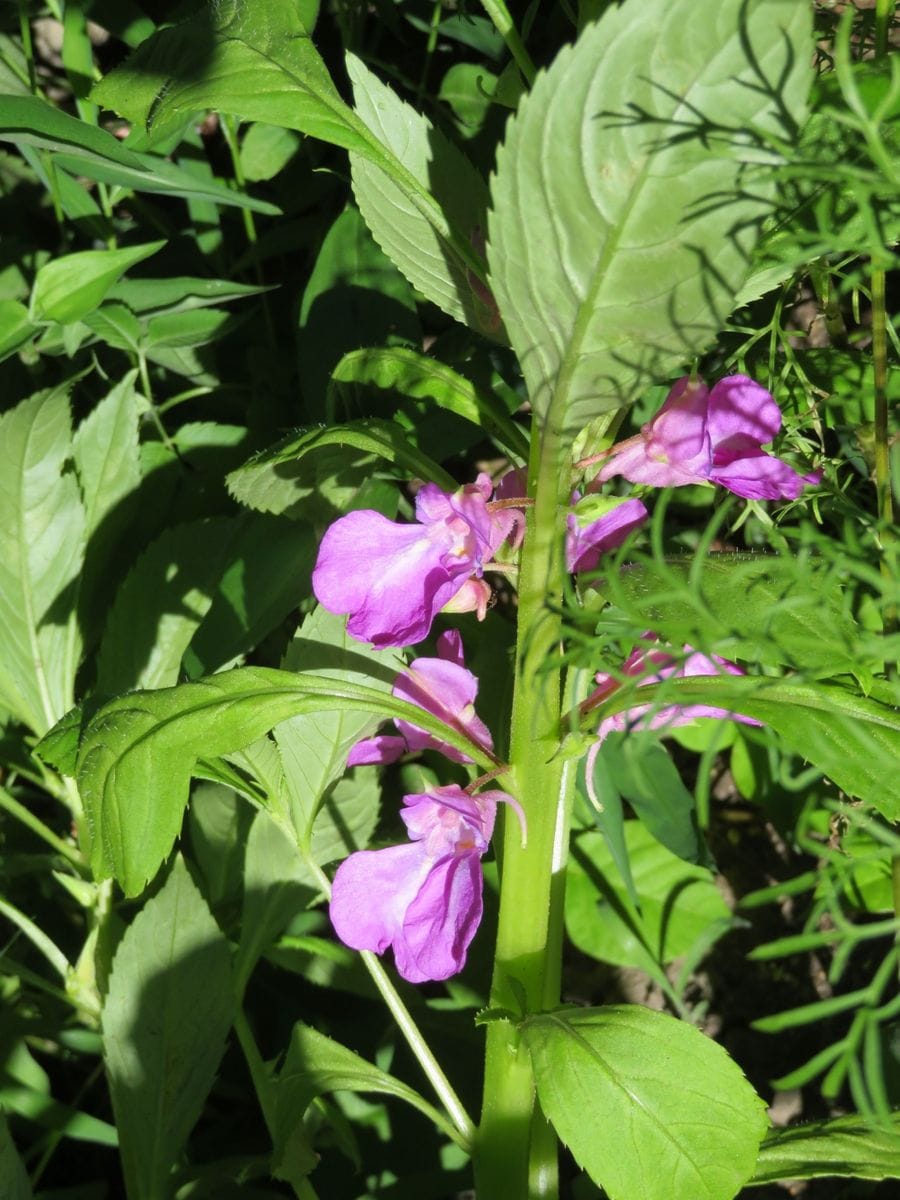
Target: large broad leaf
x,y
41,549
314,747
137,753
253,58
847,1146
319,471
680,905
853,739
165,1020
435,246
85,150
622,215
648,1106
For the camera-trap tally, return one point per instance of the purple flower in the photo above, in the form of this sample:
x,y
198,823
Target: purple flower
x,y
586,543
640,662
700,435
393,579
442,686
424,899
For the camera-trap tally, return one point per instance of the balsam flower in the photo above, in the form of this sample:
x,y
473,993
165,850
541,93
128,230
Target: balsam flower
x,y
716,435
393,579
647,716
423,899
442,686
585,543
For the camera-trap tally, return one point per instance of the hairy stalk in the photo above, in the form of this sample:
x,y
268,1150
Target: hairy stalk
x,y
516,1150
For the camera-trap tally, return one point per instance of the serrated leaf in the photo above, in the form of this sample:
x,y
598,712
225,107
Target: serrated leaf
x,y
165,1020
649,1107
41,552
421,378
312,472
68,288
138,751
253,60
434,245
622,213
846,1146
853,739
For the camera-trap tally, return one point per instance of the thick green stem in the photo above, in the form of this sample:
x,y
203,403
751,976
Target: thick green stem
x,y
503,23
516,1150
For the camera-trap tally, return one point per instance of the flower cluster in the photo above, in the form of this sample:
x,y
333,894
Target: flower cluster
x,y
424,898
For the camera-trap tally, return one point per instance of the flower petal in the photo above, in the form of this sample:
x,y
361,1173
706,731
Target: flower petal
x,y
740,407
447,691
760,476
584,546
371,892
441,921
377,751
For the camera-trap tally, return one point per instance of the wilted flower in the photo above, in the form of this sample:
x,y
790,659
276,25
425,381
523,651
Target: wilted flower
x,y
393,579
442,686
423,899
716,435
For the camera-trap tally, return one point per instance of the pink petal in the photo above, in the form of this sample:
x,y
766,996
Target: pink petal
x,y
372,891
441,921
740,407
584,546
447,691
376,751
760,476
390,578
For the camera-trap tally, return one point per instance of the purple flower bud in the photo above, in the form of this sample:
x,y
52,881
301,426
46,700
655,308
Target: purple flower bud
x,y
586,543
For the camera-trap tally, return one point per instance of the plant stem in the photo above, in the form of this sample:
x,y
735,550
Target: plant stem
x,y
503,23
37,937
516,1149
446,1094
21,813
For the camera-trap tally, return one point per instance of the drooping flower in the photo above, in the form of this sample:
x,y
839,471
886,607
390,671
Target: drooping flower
x,y
393,579
585,543
443,686
715,435
423,899
656,663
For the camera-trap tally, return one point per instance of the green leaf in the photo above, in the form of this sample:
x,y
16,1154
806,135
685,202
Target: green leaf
x,y
267,149
38,1106
648,1106
14,1184
138,752
679,902
315,1065
68,288
41,550
849,1146
220,822
418,377
255,61
314,747
329,465
623,211
15,327
355,297
84,150
165,1020
276,888
434,244
763,608
177,294
852,739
